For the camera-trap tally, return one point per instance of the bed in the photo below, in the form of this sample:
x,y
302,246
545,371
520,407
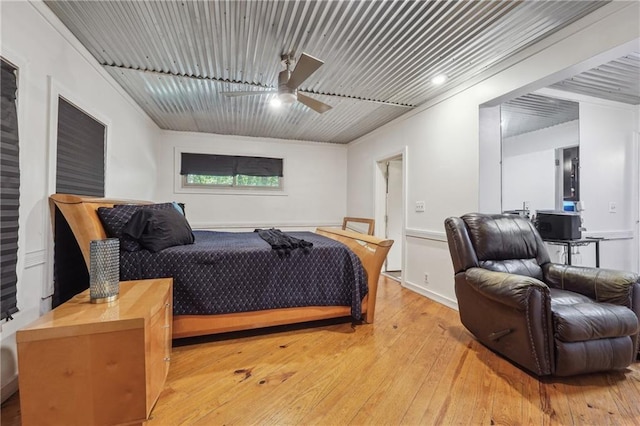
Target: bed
x,y
81,213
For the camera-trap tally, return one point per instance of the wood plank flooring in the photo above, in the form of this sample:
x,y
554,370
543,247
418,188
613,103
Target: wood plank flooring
x,y
416,365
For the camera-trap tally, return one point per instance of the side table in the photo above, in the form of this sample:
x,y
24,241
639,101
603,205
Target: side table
x,y
97,364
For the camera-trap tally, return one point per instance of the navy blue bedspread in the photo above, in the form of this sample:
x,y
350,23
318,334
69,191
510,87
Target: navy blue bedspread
x,y
226,272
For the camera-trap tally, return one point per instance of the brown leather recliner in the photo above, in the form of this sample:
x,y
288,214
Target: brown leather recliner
x,y
551,319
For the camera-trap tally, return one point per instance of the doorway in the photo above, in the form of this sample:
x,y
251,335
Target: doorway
x,y
390,212
567,178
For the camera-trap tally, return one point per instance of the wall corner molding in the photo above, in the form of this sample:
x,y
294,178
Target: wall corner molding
x,y
621,234
426,234
35,258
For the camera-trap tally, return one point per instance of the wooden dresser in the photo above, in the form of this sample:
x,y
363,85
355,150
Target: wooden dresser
x,y
97,364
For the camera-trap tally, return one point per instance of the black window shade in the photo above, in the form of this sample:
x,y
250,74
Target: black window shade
x,y
80,152
80,171
229,165
10,191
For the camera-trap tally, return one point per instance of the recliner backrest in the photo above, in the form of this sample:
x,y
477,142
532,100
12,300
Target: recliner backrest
x,y
504,243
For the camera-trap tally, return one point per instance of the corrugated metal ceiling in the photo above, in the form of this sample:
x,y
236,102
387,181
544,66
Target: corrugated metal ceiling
x,y
617,80
534,112
176,57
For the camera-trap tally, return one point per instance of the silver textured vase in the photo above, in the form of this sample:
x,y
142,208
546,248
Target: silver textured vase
x,y
104,274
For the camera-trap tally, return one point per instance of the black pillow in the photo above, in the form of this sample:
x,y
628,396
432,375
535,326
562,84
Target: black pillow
x,y
159,229
115,218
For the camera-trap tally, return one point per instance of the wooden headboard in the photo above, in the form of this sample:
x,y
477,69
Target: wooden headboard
x,y
82,216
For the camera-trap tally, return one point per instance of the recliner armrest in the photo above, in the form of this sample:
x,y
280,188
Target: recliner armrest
x,y
602,285
508,289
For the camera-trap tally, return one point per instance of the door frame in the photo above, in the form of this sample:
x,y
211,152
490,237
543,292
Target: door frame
x,y
635,205
379,200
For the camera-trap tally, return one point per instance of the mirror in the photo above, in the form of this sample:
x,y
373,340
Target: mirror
x,y
540,154
542,150
586,154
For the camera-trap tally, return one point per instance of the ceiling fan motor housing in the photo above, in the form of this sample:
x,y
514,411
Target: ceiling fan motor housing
x,y
286,94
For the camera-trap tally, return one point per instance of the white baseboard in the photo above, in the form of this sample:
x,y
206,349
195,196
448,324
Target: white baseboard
x,y
9,388
453,304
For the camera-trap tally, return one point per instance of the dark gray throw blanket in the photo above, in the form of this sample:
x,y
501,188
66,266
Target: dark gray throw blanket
x,y
283,243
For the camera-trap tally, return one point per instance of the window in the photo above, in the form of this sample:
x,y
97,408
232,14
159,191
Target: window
x,y
231,171
80,154
9,190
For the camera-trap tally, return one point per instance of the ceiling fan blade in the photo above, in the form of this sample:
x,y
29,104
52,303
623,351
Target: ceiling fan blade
x,y
306,66
249,93
314,104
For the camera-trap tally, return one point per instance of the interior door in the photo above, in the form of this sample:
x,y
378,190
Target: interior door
x,y
394,212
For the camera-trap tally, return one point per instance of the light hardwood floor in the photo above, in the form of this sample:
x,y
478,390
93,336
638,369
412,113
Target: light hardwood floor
x,y
416,365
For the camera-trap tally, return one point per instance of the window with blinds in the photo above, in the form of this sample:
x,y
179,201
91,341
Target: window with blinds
x,y
80,165
80,152
9,189
233,171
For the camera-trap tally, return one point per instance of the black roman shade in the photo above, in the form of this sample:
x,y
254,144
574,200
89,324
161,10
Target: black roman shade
x,y
79,170
10,191
229,165
80,152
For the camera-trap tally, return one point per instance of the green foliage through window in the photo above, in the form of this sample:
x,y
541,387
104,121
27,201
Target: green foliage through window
x,y
243,181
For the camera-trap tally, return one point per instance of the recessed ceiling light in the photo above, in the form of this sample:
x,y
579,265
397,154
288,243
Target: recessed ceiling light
x,y
439,79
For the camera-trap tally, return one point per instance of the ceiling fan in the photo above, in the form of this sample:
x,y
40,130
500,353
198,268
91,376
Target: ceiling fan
x,y
289,81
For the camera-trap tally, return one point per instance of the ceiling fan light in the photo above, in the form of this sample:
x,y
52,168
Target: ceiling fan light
x,y
276,102
287,98
439,79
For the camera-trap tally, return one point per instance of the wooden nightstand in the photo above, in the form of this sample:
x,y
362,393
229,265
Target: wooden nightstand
x,y
97,364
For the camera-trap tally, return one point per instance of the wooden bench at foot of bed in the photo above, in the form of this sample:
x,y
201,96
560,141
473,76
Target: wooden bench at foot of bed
x,y
82,217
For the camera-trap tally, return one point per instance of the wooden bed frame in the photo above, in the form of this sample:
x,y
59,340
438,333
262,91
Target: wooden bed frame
x,y
81,215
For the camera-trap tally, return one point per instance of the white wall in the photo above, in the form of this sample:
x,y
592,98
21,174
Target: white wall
x,y
528,166
444,164
442,169
529,178
607,169
314,183
51,60
489,144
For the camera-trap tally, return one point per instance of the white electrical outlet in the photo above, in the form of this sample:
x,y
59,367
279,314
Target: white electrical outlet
x,y
426,278
613,206
419,206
